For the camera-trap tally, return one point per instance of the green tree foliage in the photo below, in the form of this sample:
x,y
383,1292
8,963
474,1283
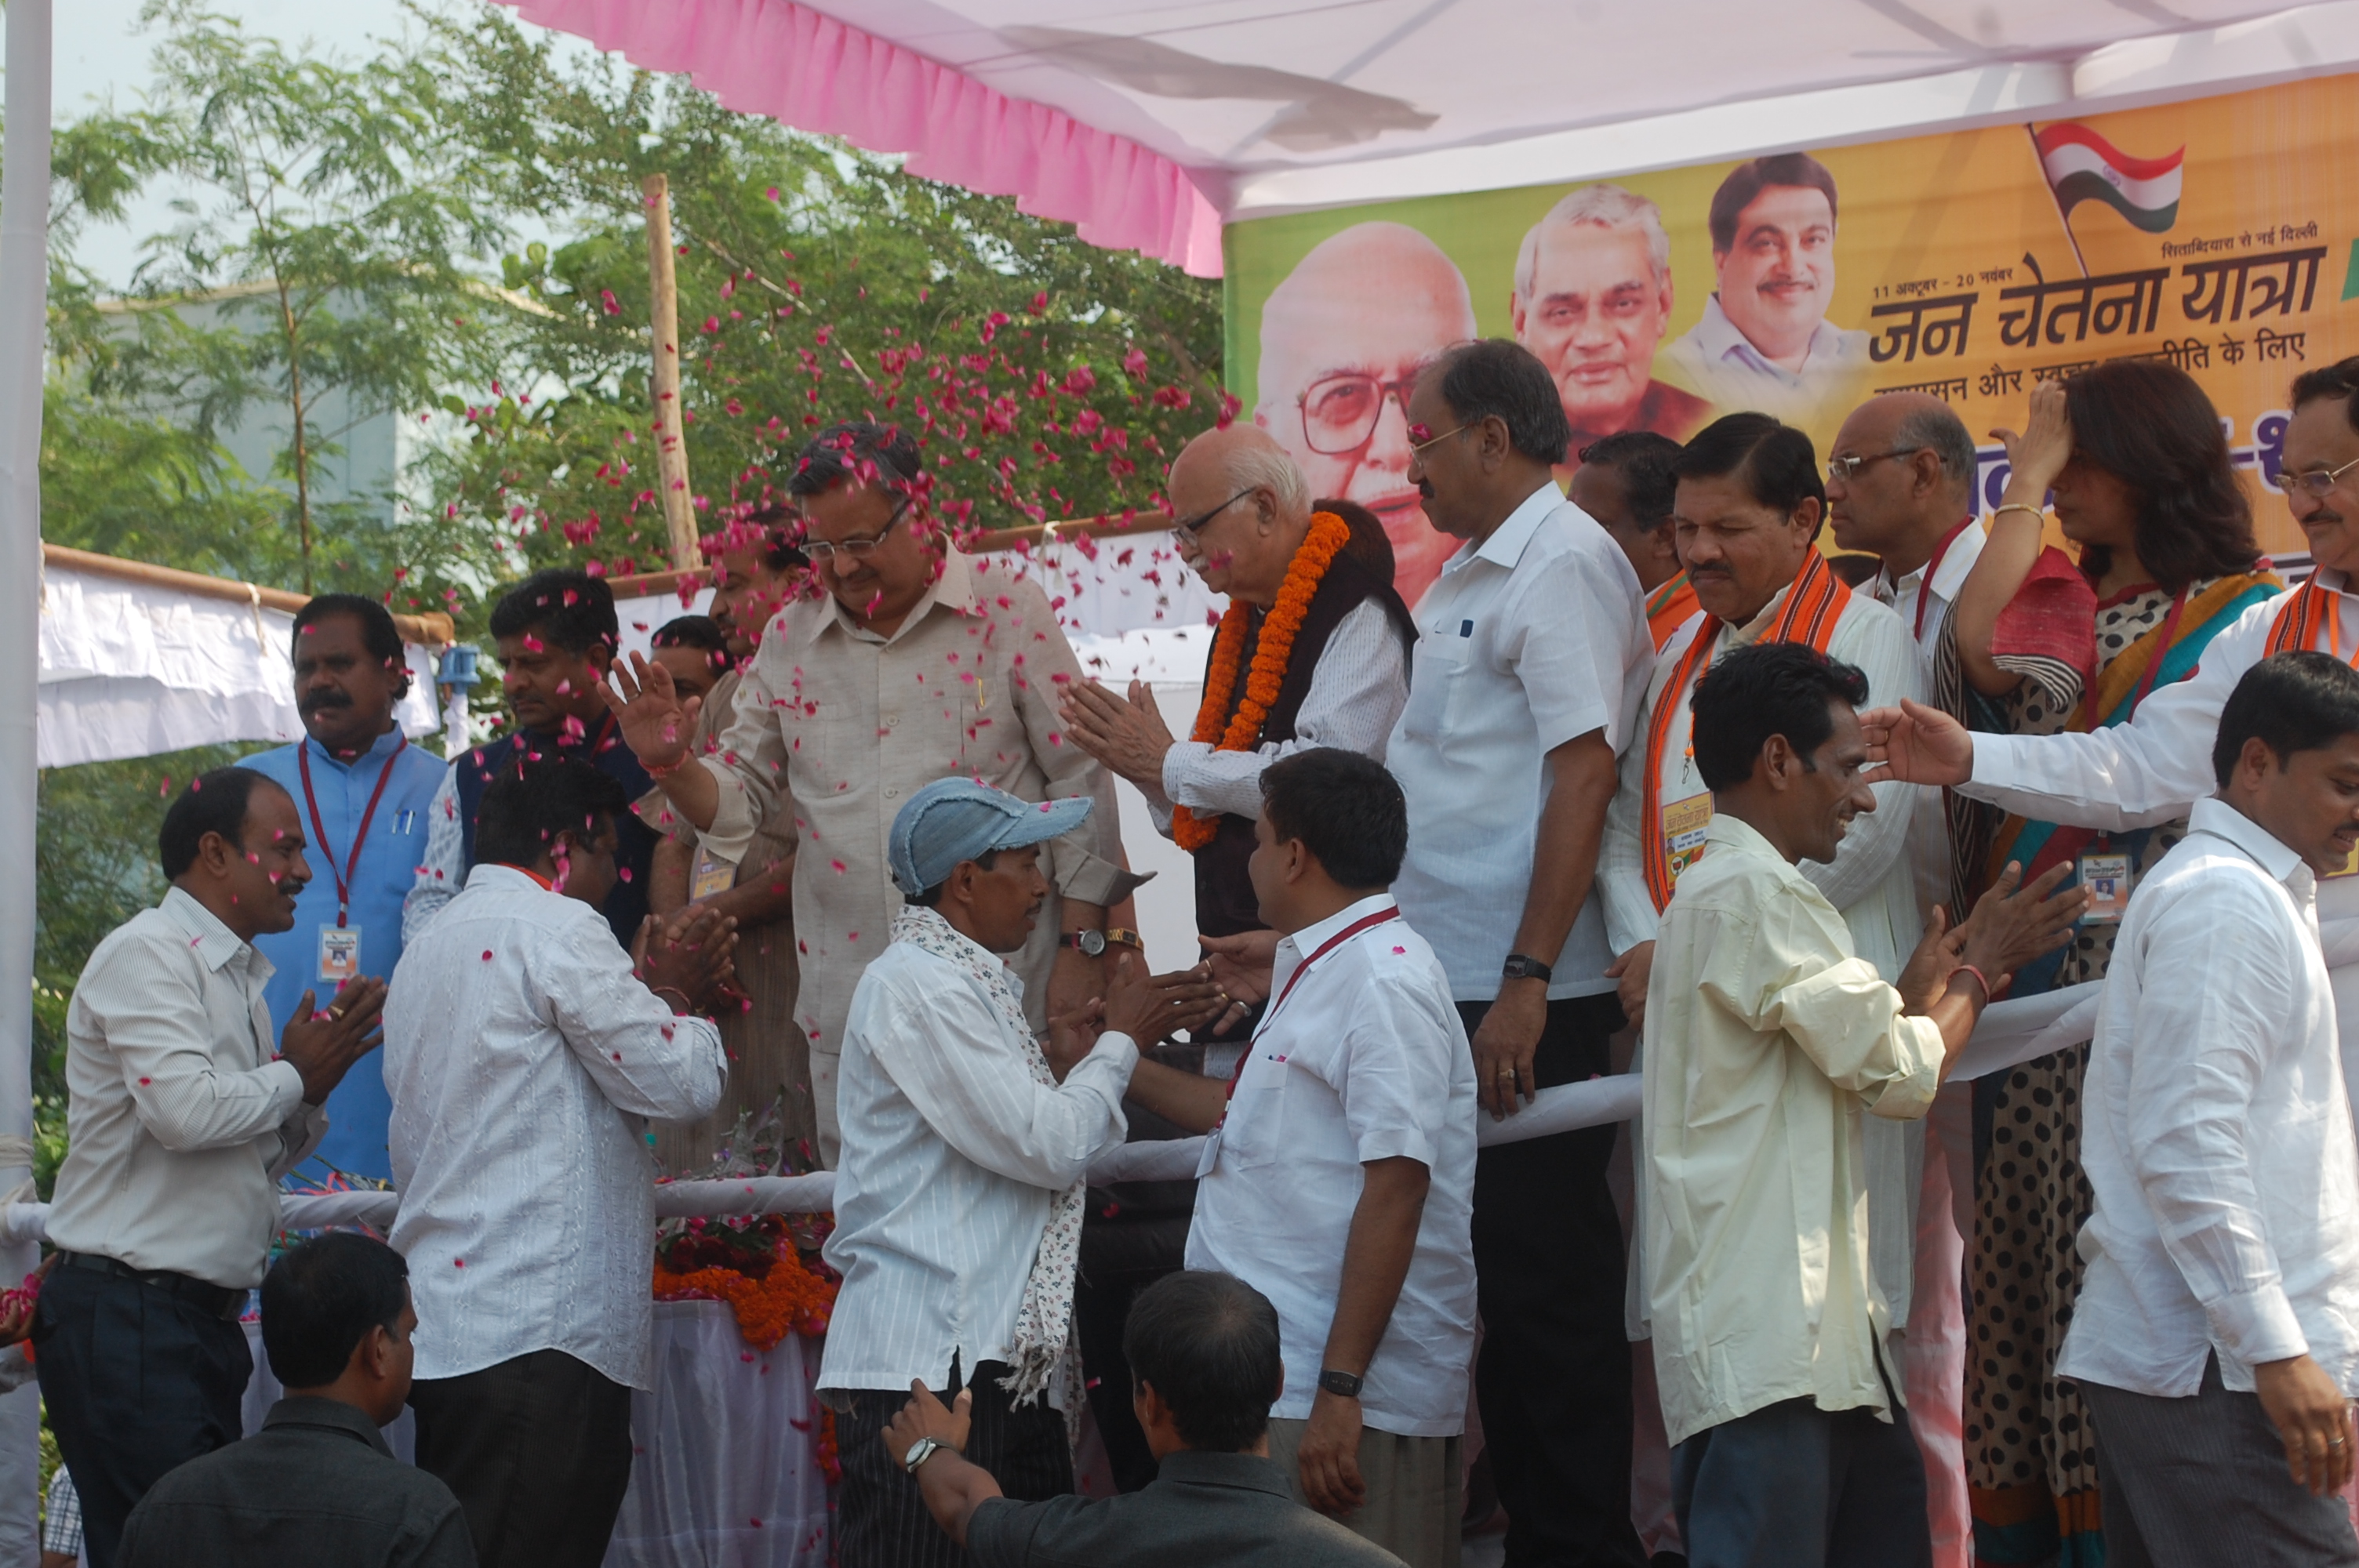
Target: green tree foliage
x,y
1045,377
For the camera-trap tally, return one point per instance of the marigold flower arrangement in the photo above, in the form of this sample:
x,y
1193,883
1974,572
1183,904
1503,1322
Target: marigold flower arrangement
x,y
1329,534
755,1267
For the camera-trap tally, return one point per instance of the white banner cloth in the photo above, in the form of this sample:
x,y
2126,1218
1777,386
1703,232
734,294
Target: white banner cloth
x,y
129,669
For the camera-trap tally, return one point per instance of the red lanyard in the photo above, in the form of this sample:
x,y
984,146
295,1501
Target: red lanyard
x,y
1363,924
1925,584
343,879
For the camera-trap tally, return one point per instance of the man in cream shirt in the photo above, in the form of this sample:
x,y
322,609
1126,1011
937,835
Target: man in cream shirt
x,y
1767,1039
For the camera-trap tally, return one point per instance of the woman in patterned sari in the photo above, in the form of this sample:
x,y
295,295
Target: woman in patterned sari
x,y
2139,469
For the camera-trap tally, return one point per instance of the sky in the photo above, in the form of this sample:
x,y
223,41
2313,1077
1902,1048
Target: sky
x,y
102,55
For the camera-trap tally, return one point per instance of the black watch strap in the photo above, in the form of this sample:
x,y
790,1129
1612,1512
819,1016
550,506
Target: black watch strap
x,y
1522,966
1344,1385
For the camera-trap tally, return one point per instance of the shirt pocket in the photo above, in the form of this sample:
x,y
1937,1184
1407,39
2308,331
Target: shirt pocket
x,y
1253,1136
1438,670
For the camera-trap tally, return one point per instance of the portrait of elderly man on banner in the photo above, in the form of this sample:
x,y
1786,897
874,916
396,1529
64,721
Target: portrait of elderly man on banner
x,y
1764,342
1342,341
1591,299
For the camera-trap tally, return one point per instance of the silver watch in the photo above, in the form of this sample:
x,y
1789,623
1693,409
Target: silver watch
x,y
919,1451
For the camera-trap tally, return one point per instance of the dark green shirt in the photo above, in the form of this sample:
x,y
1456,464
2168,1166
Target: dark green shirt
x,y
317,1486
1202,1510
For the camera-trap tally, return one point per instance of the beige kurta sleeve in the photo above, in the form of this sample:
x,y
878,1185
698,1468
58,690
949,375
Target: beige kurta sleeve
x,y
1086,865
750,764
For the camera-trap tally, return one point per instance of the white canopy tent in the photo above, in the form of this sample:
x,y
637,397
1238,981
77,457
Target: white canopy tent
x,y
1150,126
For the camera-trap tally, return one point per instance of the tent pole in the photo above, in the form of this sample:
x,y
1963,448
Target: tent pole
x,y
671,418
24,312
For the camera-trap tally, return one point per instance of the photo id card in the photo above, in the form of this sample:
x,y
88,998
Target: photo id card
x,y
713,875
2107,880
1685,823
340,954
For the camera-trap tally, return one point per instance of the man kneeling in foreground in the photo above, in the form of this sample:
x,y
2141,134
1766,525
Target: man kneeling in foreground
x,y
1766,1038
2217,1335
1204,1353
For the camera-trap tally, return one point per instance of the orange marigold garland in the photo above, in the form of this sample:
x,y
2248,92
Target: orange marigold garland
x,y
792,1297
1329,534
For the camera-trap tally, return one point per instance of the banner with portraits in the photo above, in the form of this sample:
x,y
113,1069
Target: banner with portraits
x,y
2220,235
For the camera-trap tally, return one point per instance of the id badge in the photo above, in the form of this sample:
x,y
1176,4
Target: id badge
x,y
713,875
340,954
2108,878
1212,1155
1685,824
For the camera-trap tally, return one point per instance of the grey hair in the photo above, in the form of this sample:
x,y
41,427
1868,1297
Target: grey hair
x,y
1942,433
1600,207
1256,465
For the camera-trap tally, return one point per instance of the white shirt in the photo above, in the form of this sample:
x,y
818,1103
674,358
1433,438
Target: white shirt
x,y
1366,1059
1719,363
952,1155
1767,1039
2154,767
1872,879
179,1122
2216,1129
1356,693
1922,600
521,1054
1535,637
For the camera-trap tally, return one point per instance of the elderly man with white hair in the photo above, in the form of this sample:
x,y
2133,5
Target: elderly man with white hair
x,y
1591,299
1312,588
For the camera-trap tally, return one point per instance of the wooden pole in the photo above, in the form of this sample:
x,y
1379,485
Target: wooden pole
x,y
672,451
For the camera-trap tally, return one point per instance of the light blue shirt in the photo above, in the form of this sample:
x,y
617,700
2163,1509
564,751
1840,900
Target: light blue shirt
x,y
359,1110
1719,362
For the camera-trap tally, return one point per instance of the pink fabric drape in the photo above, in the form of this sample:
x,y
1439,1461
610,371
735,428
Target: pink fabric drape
x,y
815,73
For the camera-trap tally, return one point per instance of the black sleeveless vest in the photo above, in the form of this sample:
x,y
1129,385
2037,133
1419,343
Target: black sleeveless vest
x,y
1224,896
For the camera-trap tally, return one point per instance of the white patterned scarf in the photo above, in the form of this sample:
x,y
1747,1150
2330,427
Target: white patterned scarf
x,y
1044,1347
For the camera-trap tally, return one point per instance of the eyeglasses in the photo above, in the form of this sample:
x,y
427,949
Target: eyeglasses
x,y
1846,469
1191,527
1339,412
821,551
2319,483
1418,446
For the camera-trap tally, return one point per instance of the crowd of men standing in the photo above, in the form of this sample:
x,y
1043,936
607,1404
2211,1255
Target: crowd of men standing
x,y
1638,756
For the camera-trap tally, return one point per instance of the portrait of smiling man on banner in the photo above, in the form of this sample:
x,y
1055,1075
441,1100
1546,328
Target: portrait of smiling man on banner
x,y
1764,343
1591,299
1342,341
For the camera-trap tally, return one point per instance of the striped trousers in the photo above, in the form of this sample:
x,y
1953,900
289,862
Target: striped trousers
x,y
880,1517
2202,1483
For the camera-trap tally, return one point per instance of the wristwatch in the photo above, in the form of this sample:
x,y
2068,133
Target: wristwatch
x,y
1519,967
1093,943
919,1451
1342,1385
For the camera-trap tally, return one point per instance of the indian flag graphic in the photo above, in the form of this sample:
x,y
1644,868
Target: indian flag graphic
x,y
2081,166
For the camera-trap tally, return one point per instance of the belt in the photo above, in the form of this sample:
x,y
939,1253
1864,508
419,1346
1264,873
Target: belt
x,y
214,1300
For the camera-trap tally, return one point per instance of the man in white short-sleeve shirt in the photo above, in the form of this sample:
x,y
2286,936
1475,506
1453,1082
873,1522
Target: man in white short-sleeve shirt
x,y
1339,1174
1532,653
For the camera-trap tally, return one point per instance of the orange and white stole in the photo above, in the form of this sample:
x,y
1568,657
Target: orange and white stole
x,y
1674,831
2310,618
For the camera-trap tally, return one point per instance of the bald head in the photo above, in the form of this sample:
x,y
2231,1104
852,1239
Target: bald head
x,y
1915,478
1342,341
1255,511
1375,298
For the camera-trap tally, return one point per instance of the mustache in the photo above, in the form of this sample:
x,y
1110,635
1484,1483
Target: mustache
x,y
314,701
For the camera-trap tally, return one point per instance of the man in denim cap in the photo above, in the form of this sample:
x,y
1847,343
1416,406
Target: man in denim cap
x,y
966,1144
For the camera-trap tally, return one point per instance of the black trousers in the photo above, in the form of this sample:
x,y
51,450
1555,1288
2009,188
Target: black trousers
x,y
538,1449
880,1517
138,1382
1554,1374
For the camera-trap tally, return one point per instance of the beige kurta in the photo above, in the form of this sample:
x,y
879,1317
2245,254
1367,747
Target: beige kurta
x,y
1769,1044
848,725
769,1058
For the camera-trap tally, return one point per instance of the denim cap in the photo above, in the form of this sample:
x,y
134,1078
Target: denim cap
x,y
957,820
